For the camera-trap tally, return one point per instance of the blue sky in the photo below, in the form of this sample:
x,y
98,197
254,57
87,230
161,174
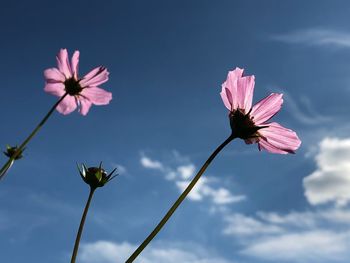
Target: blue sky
x,y
167,60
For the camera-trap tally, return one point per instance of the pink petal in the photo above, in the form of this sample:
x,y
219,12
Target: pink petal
x,y
235,74
67,106
97,95
85,105
278,139
63,63
266,108
95,77
56,89
75,63
226,97
264,145
231,85
53,75
245,90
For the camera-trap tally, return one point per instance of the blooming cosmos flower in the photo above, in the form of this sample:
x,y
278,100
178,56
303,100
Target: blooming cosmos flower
x,y
251,123
81,92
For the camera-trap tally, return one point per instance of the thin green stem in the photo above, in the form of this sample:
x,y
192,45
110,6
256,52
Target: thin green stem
x,y
6,167
10,161
178,201
81,227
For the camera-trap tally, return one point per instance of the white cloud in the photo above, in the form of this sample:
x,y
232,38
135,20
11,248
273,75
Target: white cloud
x,y
320,236
110,252
223,196
330,182
297,219
308,246
338,216
186,171
305,220
204,188
316,37
182,173
105,252
197,193
239,224
148,163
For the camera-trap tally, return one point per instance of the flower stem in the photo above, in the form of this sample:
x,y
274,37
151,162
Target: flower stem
x,y
6,167
178,201
81,227
10,161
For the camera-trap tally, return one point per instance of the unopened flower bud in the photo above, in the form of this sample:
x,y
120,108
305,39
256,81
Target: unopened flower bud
x,y
96,176
11,151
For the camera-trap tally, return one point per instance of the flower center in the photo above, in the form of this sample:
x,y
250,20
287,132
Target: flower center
x,y
72,86
243,126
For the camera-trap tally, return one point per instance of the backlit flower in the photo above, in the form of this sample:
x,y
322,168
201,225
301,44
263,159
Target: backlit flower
x,y
81,92
250,123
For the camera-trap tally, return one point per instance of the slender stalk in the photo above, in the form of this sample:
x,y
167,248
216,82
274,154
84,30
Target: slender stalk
x,y
10,161
81,227
7,167
178,201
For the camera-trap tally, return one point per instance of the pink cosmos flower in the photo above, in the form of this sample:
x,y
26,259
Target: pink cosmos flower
x,y
251,123
81,92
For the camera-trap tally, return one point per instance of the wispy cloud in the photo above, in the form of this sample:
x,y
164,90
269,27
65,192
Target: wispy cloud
x,y
296,219
310,246
110,252
302,109
121,169
292,237
183,171
315,37
22,224
239,224
307,219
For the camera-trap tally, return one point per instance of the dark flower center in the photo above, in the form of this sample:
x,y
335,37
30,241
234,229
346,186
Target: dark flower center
x,y
243,126
72,86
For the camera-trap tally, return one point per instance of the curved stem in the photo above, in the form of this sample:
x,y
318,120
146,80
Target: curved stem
x,y
8,164
6,167
81,227
178,201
